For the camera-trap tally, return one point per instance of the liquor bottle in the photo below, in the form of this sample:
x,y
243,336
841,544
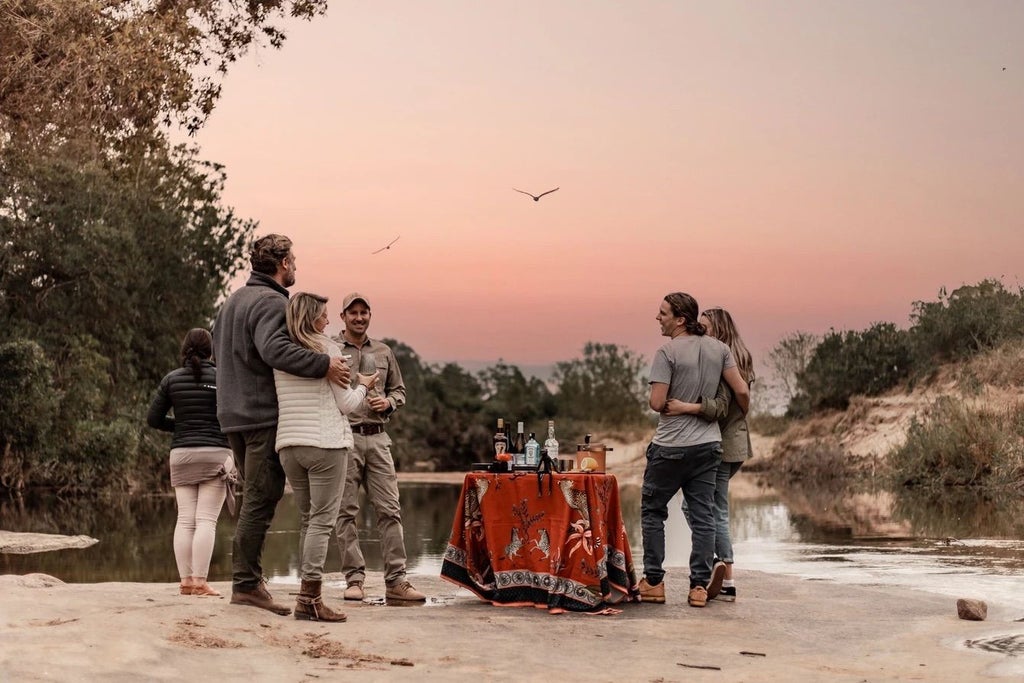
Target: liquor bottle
x,y
551,444
519,444
500,439
532,451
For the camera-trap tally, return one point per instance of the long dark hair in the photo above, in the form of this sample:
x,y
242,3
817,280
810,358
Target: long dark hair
x,y
685,306
195,348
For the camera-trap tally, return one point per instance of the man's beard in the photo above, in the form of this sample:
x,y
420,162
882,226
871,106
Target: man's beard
x,y
289,279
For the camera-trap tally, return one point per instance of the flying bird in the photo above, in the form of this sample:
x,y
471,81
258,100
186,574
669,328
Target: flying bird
x,y
388,245
536,197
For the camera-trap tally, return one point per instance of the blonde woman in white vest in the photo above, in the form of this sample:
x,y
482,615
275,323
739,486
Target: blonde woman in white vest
x,y
313,439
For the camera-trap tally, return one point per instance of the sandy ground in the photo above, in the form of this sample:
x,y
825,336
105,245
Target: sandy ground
x,y
791,629
781,629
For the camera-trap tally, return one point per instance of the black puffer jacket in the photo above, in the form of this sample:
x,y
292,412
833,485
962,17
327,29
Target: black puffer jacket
x,y
195,408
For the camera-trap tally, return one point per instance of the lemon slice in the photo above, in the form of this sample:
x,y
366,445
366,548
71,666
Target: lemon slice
x,y
588,464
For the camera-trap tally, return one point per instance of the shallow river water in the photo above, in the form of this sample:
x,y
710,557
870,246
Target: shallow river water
x,y
962,549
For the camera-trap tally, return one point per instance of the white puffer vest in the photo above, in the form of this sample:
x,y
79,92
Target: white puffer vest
x,y
311,412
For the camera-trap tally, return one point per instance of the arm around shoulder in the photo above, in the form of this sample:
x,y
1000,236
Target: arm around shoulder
x,y
276,348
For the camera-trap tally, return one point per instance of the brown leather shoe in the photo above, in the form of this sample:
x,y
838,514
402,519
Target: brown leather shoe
x,y
649,593
698,596
258,597
404,591
309,605
354,591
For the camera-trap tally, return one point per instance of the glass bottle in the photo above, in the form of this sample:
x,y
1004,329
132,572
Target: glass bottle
x,y
532,451
519,444
551,443
500,439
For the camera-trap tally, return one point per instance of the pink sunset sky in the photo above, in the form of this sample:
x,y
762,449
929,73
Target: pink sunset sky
x,y
806,165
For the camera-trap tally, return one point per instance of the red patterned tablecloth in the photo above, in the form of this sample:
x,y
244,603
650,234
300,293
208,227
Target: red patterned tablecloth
x,y
558,542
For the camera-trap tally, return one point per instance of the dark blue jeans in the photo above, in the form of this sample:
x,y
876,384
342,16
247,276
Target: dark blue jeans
x,y
263,487
692,469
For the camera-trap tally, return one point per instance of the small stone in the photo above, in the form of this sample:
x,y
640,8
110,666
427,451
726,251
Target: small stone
x,y
971,610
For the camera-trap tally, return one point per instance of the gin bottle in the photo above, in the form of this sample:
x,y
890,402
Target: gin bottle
x,y
532,451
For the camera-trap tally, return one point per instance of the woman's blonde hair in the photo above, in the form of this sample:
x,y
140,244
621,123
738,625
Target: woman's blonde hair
x,y
303,310
724,330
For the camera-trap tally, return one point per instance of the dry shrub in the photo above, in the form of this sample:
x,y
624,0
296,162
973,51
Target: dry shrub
x,y
768,425
1000,367
959,446
822,462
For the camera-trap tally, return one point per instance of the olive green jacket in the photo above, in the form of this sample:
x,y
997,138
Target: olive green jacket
x,y
731,420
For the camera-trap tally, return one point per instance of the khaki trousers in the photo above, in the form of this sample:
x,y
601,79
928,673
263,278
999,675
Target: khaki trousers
x,y
317,476
370,466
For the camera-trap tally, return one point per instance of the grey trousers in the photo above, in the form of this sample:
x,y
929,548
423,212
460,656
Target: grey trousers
x,y
371,466
317,476
263,487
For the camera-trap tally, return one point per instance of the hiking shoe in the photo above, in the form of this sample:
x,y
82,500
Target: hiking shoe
x,y
258,597
354,591
698,596
728,594
649,593
717,576
404,591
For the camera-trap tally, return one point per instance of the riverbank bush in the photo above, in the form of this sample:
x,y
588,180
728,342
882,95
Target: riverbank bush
x,y
961,324
961,447
845,364
767,424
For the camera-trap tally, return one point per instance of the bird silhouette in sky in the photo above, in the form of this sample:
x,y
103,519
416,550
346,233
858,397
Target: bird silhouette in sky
x,y
388,245
536,197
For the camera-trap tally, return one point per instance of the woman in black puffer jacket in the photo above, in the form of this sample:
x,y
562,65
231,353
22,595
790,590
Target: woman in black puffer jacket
x,y
201,462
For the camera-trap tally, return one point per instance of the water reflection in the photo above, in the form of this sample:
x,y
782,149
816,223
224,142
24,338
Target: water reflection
x,y
869,537
136,535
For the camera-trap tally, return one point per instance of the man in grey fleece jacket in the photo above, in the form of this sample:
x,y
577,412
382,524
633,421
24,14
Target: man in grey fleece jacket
x,y
251,340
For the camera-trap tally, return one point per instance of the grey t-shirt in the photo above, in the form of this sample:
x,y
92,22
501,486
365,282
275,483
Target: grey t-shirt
x,y
691,366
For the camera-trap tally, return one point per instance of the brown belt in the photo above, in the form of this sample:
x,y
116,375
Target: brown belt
x,y
368,429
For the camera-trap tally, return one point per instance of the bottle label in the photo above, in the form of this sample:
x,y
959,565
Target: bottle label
x,y
533,454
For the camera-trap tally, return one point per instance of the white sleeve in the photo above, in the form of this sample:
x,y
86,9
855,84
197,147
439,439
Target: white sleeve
x,y
348,399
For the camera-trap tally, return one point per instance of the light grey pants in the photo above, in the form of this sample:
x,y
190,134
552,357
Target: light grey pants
x,y
317,476
370,465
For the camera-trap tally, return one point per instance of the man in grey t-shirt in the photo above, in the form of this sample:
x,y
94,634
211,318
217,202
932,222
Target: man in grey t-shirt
x,y
686,449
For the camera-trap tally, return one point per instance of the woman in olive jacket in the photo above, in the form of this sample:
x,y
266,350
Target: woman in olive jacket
x,y
201,462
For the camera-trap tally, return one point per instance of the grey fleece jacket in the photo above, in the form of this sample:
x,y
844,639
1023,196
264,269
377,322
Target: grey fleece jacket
x,y
250,340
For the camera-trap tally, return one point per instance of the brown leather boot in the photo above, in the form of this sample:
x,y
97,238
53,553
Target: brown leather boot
x,y
258,597
310,606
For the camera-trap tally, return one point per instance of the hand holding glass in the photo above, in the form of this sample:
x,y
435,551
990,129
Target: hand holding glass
x,y
368,381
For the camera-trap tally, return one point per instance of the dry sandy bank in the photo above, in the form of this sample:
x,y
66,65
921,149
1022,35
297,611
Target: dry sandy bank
x,y
805,630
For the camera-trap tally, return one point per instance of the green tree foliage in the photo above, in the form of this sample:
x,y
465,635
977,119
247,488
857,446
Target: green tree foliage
x,y
450,415
606,385
117,67
971,319
130,251
28,407
508,393
112,242
849,363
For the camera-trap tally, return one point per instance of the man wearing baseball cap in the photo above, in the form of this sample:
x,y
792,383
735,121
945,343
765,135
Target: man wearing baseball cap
x,y
370,464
